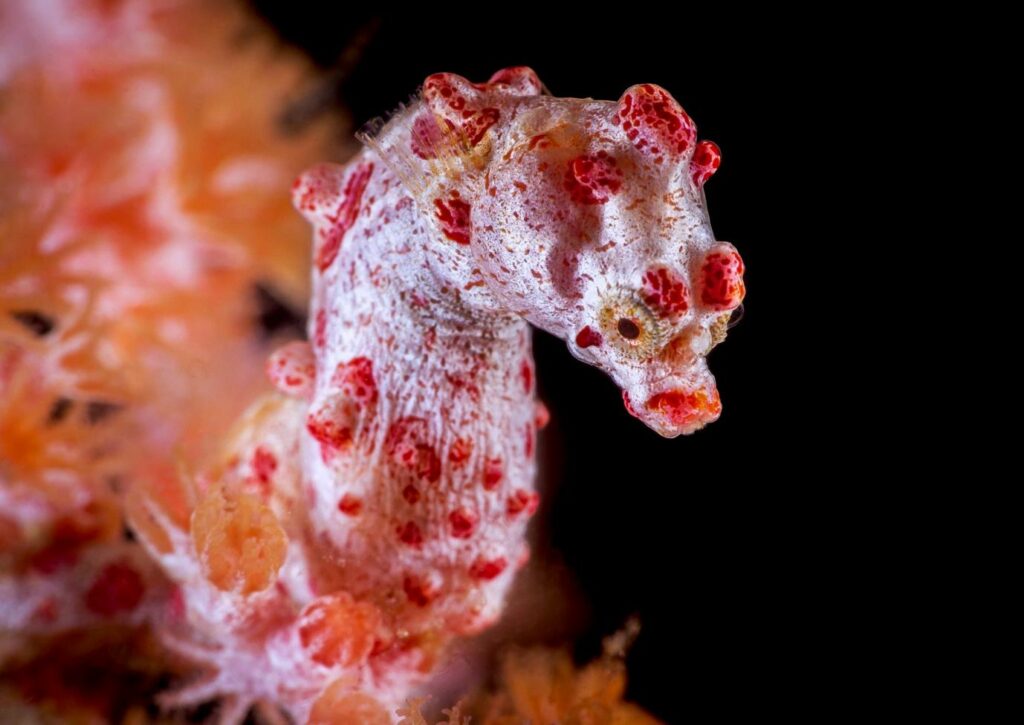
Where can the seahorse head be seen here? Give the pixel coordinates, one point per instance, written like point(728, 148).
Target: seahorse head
point(593, 225)
point(588, 218)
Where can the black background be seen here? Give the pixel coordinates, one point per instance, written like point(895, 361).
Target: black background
point(736, 547)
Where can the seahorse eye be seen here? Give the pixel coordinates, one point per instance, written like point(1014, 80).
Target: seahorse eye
point(628, 328)
point(630, 324)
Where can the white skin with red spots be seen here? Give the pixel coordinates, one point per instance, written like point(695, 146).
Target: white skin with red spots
point(400, 460)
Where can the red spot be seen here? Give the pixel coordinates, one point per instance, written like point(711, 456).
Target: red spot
point(681, 407)
point(410, 535)
point(329, 432)
point(419, 301)
point(320, 330)
point(593, 179)
point(483, 568)
point(454, 217)
point(528, 444)
point(493, 473)
point(722, 285)
point(589, 337)
point(526, 374)
point(264, 463)
point(117, 589)
point(356, 381)
point(344, 216)
point(654, 122)
point(706, 160)
point(476, 125)
point(460, 451)
point(350, 505)
point(411, 494)
point(521, 501)
point(541, 416)
point(462, 523)
point(408, 444)
point(419, 592)
point(665, 292)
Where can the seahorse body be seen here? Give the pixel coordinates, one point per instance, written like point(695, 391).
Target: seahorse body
point(375, 507)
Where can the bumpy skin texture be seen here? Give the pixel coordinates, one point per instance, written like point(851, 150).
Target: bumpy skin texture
point(401, 466)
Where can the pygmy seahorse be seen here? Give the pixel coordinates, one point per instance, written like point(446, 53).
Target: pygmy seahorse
point(378, 508)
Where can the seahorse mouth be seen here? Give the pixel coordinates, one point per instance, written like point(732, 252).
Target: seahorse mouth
point(676, 410)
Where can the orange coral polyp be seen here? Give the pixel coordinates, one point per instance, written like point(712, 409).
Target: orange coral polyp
point(238, 540)
point(339, 705)
point(337, 630)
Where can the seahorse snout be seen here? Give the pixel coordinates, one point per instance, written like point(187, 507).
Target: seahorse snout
point(676, 410)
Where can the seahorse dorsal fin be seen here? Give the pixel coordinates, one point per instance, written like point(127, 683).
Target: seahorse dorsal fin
point(421, 148)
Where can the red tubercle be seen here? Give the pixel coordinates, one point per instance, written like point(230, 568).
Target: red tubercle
point(447, 94)
point(292, 369)
point(453, 214)
point(655, 123)
point(541, 415)
point(664, 291)
point(462, 523)
point(494, 471)
point(589, 337)
point(520, 79)
point(592, 178)
point(486, 569)
point(350, 505)
point(345, 216)
point(420, 591)
point(118, 589)
point(682, 407)
point(355, 379)
point(410, 535)
point(522, 501)
point(707, 157)
point(523, 558)
point(328, 432)
point(722, 285)
point(411, 494)
point(264, 463)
